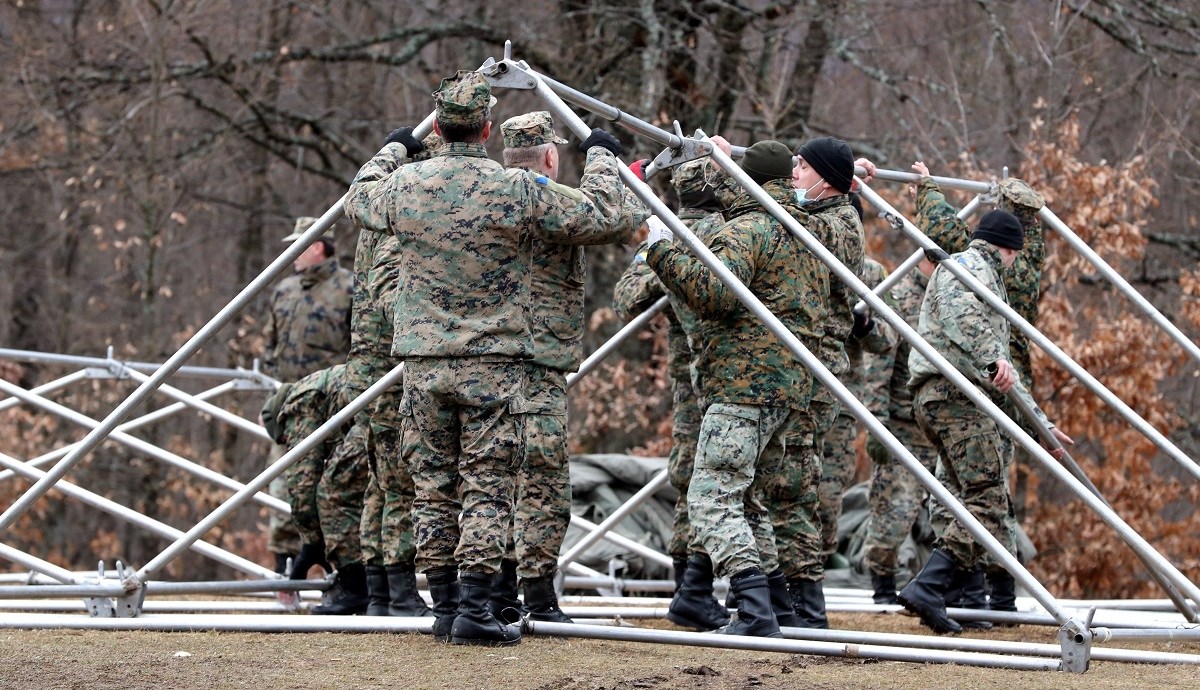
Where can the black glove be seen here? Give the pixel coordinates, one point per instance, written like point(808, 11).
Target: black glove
point(863, 323)
point(404, 135)
point(599, 137)
point(310, 555)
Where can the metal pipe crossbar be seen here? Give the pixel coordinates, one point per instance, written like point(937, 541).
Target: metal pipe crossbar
point(188, 371)
point(602, 529)
point(48, 387)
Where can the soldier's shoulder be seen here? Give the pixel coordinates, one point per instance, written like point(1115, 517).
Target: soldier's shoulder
point(544, 184)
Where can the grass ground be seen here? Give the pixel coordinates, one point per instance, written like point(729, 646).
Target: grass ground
point(130, 660)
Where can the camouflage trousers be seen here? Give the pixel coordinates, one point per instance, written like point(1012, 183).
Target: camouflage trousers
point(463, 438)
point(797, 511)
point(740, 450)
point(387, 526)
point(687, 417)
point(542, 510)
point(838, 463)
point(975, 455)
point(282, 536)
point(896, 495)
point(340, 495)
point(302, 478)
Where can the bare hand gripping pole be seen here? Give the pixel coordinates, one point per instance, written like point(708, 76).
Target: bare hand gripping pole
point(567, 116)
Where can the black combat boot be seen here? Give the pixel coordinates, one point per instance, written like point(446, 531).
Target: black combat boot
point(350, 597)
point(377, 591)
point(281, 563)
point(504, 603)
point(885, 588)
point(443, 589)
point(808, 601)
point(755, 616)
point(475, 624)
point(1003, 592)
point(679, 565)
point(542, 601)
point(781, 600)
point(405, 600)
point(693, 605)
point(971, 596)
point(924, 596)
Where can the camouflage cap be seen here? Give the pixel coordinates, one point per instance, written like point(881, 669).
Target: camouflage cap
point(463, 99)
point(691, 176)
point(303, 223)
point(1020, 194)
point(530, 129)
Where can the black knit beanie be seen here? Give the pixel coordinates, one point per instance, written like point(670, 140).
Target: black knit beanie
point(768, 160)
point(1002, 229)
point(832, 159)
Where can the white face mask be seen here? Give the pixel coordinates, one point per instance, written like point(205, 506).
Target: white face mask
point(802, 196)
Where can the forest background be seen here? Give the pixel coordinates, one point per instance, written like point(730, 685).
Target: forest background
point(154, 152)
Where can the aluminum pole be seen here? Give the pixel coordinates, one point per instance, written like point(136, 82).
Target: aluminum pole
point(1056, 224)
point(947, 182)
point(763, 644)
point(635, 501)
point(565, 114)
point(78, 361)
point(135, 518)
point(635, 324)
point(36, 564)
point(1135, 540)
point(48, 387)
point(126, 427)
point(622, 541)
point(139, 445)
point(1179, 634)
point(192, 401)
point(343, 416)
point(221, 623)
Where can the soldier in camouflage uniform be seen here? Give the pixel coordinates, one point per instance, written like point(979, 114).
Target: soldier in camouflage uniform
point(974, 338)
point(464, 328)
point(290, 415)
point(821, 184)
point(307, 329)
point(896, 496)
point(1022, 281)
point(753, 385)
point(543, 496)
point(696, 183)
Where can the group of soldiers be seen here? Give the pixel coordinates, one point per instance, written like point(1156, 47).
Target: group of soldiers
point(471, 274)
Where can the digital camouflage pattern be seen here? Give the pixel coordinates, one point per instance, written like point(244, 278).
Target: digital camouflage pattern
point(308, 322)
point(340, 493)
point(838, 456)
point(1022, 281)
point(836, 224)
point(466, 290)
point(463, 440)
point(741, 361)
point(542, 506)
point(530, 129)
point(463, 99)
point(739, 452)
point(896, 497)
point(310, 403)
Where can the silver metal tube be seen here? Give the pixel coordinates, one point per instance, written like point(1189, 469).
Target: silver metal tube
point(83, 589)
point(635, 501)
point(75, 360)
point(139, 445)
point(620, 540)
point(135, 518)
point(761, 644)
point(160, 587)
point(126, 427)
point(343, 416)
point(635, 324)
point(149, 606)
point(1135, 540)
point(104, 428)
point(608, 112)
point(201, 405)
point(36, 564)
point(219, 622)
point(1056, 224)
point(1107, 635)
point(947, 182)
point(48, 387)
point(915, 258)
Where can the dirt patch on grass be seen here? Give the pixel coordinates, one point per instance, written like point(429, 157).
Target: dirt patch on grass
point(87, 659)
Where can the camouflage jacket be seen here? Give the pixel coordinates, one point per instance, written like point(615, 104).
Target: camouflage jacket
point(962, 327)
point(881, 339)
point(309, 404)
point(466, 227)
point(887, 372)
point(557, 288)
point(308, 324)
point(836, 224)
point(1022, 280)
point(739, 360)
point(639, 288)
